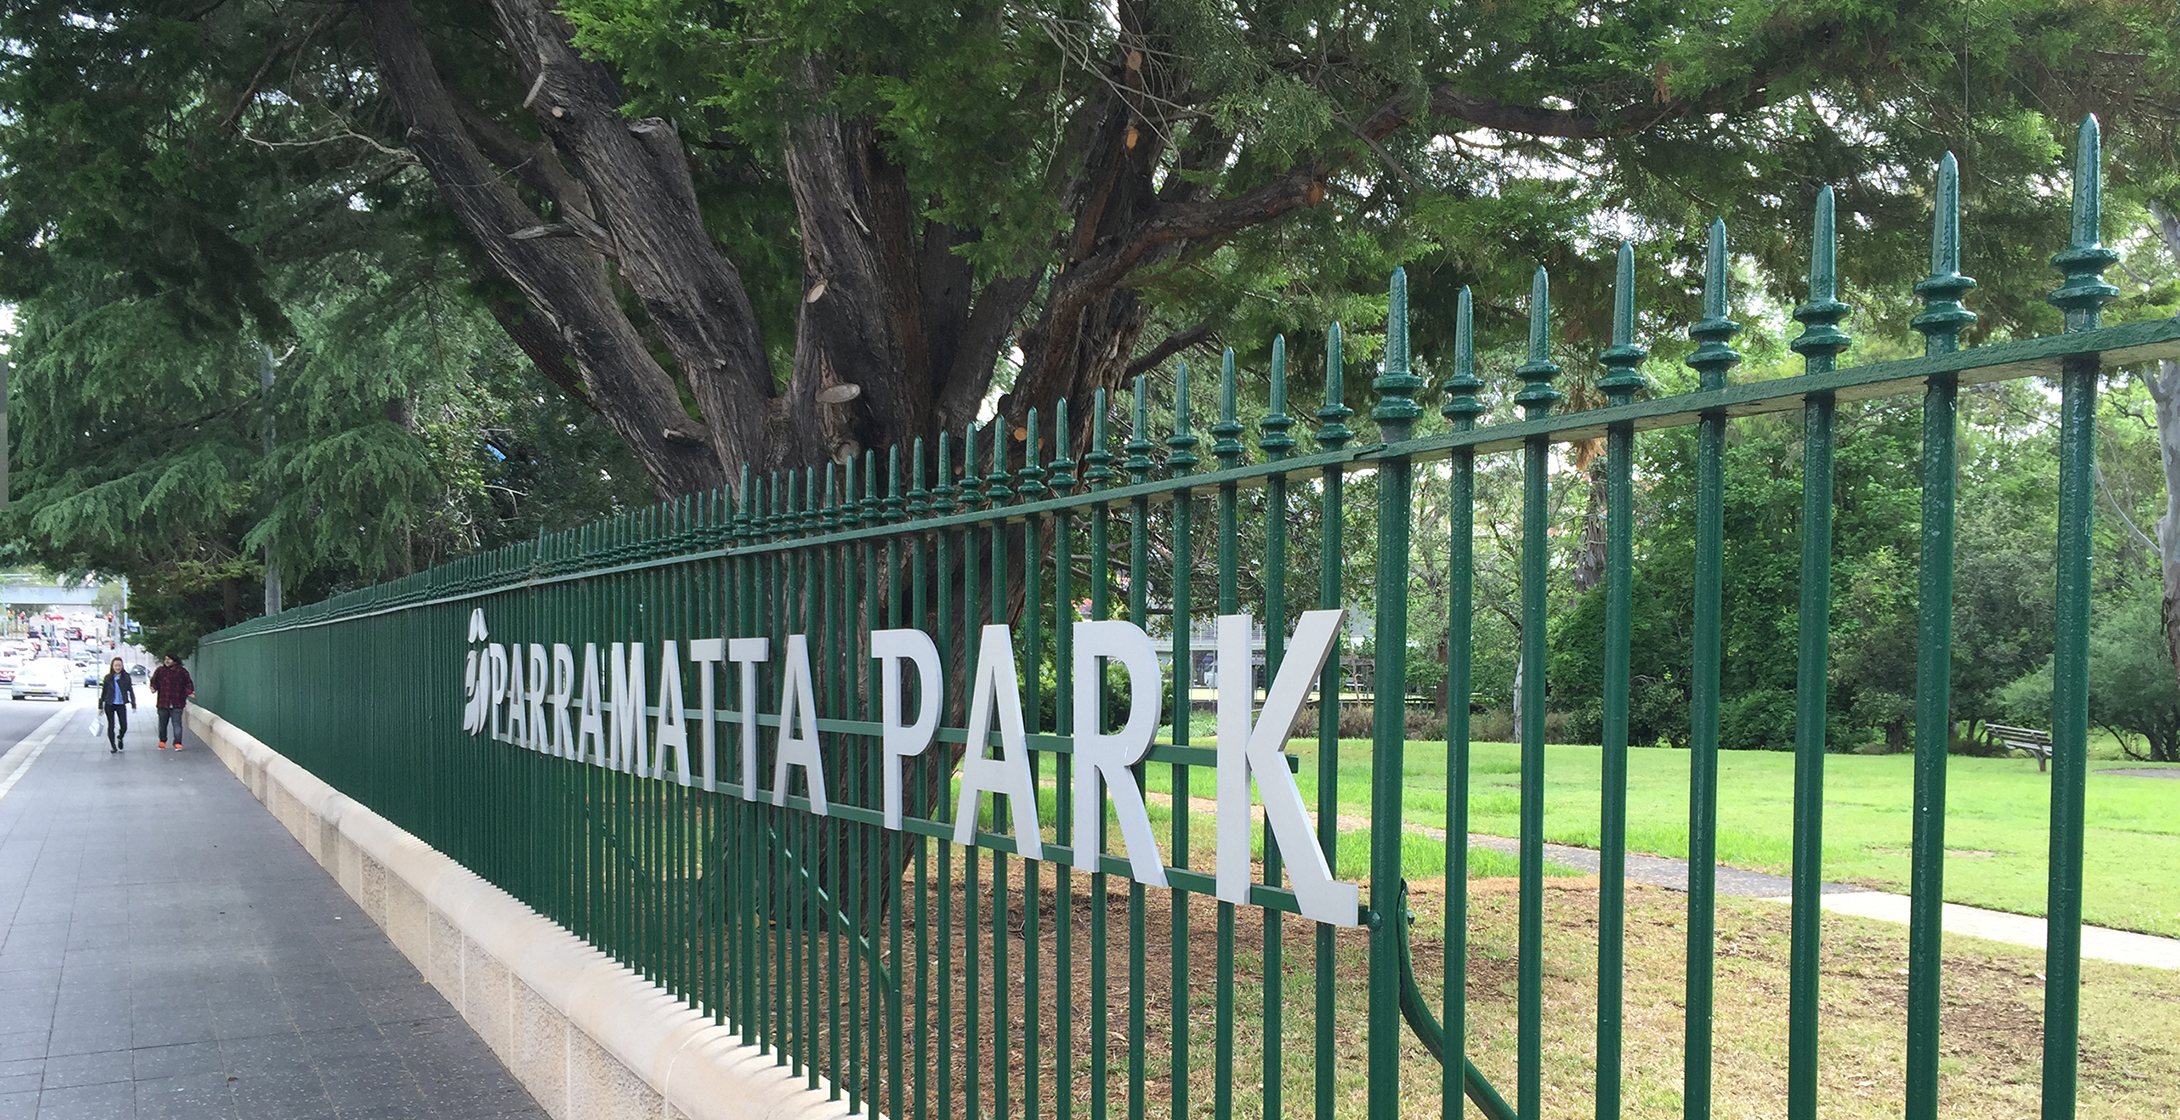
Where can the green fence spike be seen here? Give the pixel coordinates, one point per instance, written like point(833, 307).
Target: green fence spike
point(972, 487)
point(1062, 467)
point(1537, 396)
point(1181, 459)
point(874, 507)
point(996, 488)
point(943, 489)
point(1332, 434)
point(829, 513)
point(1139, 443)
point(744, 499)
point(1226, 441)
point(1712, 357)
point(1621, 380)
point(1029, 482)
point(2084, 259)
point(1943, 317)
point(919, 499)
point(1273, 438)
point(1396, 384)
point(1099, 458)
point(1461, 405)
point(1821, 341)
point(896, 507)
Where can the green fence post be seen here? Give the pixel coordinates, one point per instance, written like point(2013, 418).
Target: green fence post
point(1395, 415)
point(1536, 399)
point(1819, 344)
point(2082, 297)
point(1711, 359)
point(1461, 407)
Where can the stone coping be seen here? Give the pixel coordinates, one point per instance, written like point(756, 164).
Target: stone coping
point(588, 1037)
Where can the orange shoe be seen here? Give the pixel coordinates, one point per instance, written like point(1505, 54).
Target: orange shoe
point(162, 744)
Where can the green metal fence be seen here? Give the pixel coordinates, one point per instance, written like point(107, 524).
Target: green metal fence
point(613, 724)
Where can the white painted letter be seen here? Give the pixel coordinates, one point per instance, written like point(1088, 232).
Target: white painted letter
point(746, 653)
point(1009, 774)
point(592, 734)
point(533, 698)
point(798, 738)
point(890, 648)
point(630, 697)
point(1257, 747)
point(1102, 756)
point(673, 726)
point(563, 742)
point(705, 653)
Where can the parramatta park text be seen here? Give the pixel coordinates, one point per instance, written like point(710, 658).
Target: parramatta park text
point(533, 696)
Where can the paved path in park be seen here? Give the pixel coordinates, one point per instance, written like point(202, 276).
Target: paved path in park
point(2098, 943)
point(168, 950)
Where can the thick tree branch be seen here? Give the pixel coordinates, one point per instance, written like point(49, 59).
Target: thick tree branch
point(1172, 344)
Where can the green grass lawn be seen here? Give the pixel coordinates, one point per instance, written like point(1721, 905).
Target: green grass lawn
point(1996, 813)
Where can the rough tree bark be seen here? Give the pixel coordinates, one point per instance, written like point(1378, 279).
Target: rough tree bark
point(2164, 386)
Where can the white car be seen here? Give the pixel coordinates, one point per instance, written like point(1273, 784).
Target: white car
point(48, 677)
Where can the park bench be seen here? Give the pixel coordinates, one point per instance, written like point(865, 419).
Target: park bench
point(2026, 739)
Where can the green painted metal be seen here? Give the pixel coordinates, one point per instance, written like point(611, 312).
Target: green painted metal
point(1711, 359)
point(1819, 344)
point(1940, 322)
point(909, 975)
point(2082, 297)
point(1535, 398)
point(1621, 382)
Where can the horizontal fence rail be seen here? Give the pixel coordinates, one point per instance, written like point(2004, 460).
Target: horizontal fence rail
point(881, 764)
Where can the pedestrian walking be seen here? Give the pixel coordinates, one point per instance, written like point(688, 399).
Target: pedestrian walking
point(171, 689)
point(116, 695)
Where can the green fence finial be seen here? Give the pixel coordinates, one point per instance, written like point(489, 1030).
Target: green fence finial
point(811, 516)
point(1274, 440)
point(1226, 442)
point(1100, 456)
point(1712, 357)
point(1331, 433)
point(1821, 341)
point(972, 495)
point(1396, 383)
point(1621, 381)
point(829, 514)
point(2083, 295)
point(996, 490)
point(1537, 395)
point(1030, 480)
point(1139, 444)
point(1943, 316)
point(1462, 406)
point(744, 503)
point(919, 499)
point(873, 506)
point(1182, 459)
point(896, 505)
point(1062, 467)
point(943, 491)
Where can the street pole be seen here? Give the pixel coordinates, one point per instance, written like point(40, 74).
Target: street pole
point(5, 372)
point(272, 569)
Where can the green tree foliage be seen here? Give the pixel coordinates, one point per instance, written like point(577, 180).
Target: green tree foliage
point(2132, 693)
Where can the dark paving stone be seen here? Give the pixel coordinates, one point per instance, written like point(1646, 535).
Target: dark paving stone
point(167, 950)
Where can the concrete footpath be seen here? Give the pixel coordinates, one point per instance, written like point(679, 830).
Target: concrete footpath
point(167, 950)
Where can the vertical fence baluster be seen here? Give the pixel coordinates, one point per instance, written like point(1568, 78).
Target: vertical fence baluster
point(1139, 465)
point(1099, 473)
point(1395, 415)
point(1226, 446)
point(1276, 444)
point(1332, 435)
point(1063, 723)
point(1460, 408)
point(1819, 345)
point(1536, 399)
point(1620, 384)
point(1711, 359)
point(2082, 297)
point(1181, 461)
point(1940, 322)
point(1030, 486)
